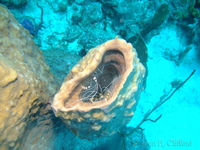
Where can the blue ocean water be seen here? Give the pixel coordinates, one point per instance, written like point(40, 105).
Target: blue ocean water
point(169, 30)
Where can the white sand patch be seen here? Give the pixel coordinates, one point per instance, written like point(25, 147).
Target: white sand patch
point(179, 126)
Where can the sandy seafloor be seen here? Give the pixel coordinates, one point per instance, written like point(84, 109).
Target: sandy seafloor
point(180, 121)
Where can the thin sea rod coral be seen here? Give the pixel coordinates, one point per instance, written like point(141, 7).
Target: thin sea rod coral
point(163, 99)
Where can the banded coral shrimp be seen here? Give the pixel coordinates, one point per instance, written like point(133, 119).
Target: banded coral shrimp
point(99, 85)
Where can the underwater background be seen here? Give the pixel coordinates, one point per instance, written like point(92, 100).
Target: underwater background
point(168, 34)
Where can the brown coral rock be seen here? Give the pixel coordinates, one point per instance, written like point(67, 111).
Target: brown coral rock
point(100, 93)
point(25, 80)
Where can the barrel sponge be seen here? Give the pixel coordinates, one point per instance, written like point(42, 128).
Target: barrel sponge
point(25, 80)
point(101, 92)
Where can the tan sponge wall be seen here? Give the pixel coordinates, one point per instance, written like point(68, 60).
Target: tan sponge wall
point(115, 109)
point(25, 80)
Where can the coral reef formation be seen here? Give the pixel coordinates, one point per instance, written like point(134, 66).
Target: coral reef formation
point(17, 3)
point(91, 14)
point(87, 39)
point(29, 23)
point(41, 137)
point(159, 17)
point(26, 83)
point(186, 13)
point(58, 5)
point(60, 65)
point(100, 93)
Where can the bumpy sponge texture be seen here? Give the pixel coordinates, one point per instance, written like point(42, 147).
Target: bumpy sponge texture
point(25, 80)
point(100, 93)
